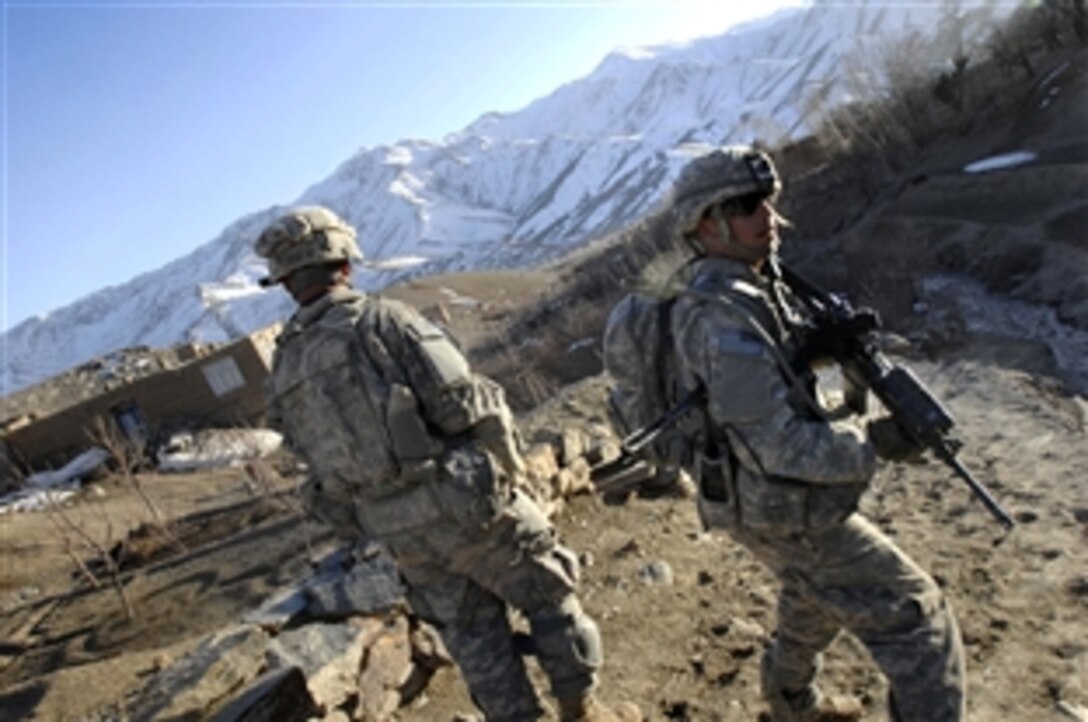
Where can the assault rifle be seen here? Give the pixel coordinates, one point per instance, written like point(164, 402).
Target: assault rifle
point(628, 469)
point(846, 334)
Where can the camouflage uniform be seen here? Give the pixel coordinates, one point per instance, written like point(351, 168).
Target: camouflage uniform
point(405, 445)
point(785, 483)
point(784, 480)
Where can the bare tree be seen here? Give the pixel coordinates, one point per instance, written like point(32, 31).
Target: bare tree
point(67, 529)
point(128, 455)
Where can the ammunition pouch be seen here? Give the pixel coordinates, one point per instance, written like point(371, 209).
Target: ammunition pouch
point(412, 441)
point(731, 496)
point(717, 501)
point(777, 505)
point(465, 488)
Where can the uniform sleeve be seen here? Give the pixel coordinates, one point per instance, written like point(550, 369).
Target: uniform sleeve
point(749, 398)
point(454, 399)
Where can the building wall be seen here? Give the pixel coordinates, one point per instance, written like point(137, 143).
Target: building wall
point(223, 388)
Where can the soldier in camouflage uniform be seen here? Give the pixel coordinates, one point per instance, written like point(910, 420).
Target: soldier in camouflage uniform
point(404, 444)
point(782, 477)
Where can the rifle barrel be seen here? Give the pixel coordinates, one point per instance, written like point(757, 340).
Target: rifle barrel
point(977, 487)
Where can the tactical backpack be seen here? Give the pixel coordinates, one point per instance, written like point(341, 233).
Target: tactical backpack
point(660, 422)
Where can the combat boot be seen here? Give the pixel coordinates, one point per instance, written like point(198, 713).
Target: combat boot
point(588, 709)
point(813, 706)
point(808, 704)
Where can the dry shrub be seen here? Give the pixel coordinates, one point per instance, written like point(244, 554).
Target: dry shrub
point(558, 342)
point(128, 454)
point(902, 105)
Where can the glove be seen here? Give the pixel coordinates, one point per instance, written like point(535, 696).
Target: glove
point(891, 442)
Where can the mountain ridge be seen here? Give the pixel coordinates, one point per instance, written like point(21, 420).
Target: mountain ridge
point(511, 190)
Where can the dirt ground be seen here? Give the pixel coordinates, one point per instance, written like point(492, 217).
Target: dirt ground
point(67, 649)
point(685, 648)
point(689, 650)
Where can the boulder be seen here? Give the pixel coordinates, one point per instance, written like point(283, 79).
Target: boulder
point(277, 696)
point(329, 655)
point(372, 585)
point(200, 681)
point(387, 671)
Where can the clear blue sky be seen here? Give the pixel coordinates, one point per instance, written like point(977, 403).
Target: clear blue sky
point(134, 132)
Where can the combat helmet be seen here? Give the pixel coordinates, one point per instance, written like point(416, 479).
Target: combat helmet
point(305, 236)
point(720, 174)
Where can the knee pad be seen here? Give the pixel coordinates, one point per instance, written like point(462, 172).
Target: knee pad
point(568, 647)
point(586, 638)
point(566, 632)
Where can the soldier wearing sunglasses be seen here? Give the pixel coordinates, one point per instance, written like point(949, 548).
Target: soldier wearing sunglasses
point(781, 477)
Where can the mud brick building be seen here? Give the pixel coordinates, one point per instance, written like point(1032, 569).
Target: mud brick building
point(200, 387)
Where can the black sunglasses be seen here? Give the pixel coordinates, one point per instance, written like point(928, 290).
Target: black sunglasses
point(744, 205)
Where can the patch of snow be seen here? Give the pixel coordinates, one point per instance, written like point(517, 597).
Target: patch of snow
point(396, 263)
point(76, 469)
point(213, 448)
point(456, 299)
point(1000, 162)
point(581, 344)
point(24, 501)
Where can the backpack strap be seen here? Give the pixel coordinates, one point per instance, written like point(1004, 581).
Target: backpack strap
point(664, 349)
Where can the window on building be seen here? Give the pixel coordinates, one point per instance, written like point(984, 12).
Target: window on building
point(223, 376)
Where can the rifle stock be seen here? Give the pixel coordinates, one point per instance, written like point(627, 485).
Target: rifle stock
point(629, 468)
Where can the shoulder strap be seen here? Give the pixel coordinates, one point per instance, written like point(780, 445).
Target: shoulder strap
point(740, 307)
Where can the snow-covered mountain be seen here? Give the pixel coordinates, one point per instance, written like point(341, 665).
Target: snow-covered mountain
point(515, 189)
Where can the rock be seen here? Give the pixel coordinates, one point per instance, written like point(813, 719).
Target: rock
point(573, 479)
point(94, 491)
point(277, 696)
point(656, 573)
point(280, 610)
point(541, 464)
point(428, 650)
point(1078, 586)
point(629, 548)
point(429, 654)
point(329, 655)
point(161, 661)
point(388, 668)
point(371, 586)
point(339, 558)
point(603, 450)
point(205, 677)
point(573, 445)
point(746, 629)
point(664, 482)
point(337, 715)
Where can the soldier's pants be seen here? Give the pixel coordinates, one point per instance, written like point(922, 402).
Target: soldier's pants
point(851, 576)
point(462, 577)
